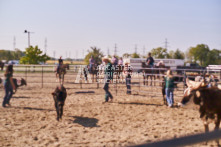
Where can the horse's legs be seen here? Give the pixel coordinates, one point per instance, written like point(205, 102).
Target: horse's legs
point(217, 123)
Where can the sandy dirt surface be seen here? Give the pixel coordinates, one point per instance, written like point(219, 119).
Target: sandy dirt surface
point(128, 120)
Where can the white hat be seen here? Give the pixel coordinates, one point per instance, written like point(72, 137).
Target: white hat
point(105, 58)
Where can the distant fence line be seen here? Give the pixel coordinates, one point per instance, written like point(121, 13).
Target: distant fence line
point(76, 69)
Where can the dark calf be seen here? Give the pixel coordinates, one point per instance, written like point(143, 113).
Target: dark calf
point(209, 100)
point(23, 82)
point(59, 96)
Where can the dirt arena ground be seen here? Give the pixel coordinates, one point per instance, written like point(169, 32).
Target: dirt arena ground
point(128, 120)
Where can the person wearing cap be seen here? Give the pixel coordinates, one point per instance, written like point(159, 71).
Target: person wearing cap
point(169, 87)
point(108, 76)
point(60, 62)
point(128, 72)
point(150, 60)
point(8, 86)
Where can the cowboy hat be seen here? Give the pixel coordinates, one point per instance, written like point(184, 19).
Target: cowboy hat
point(105, 58)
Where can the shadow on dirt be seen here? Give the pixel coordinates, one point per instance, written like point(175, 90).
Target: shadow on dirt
point(85, 121)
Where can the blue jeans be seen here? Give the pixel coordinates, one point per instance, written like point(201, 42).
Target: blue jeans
point(107, 92)
point(90, 67)
point(8, 94)
point(128, 82)
point(169, 96)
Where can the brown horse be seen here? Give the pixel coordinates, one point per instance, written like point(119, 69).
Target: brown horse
point(118, 71)
point(61, 72)
point(147, 72)
point(94, 72)
point(2, 64)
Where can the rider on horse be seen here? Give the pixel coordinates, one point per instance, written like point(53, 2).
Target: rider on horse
point(60, 63)
point(150, 60)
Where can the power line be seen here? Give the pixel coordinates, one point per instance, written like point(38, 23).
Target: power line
point(108, 51)
point(14, 42)
point(115, 49)
point(45, 46)
point(166, 43)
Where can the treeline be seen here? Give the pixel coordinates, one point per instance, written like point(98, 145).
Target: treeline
point(11, 55)
point(200, 54)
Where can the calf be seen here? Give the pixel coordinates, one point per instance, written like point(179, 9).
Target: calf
point(23, 82)
point(209, 100)
point(59, 96)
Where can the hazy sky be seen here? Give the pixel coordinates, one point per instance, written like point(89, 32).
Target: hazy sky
point(73, 26)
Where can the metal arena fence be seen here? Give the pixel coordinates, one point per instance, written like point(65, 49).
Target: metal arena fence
point(45, 74)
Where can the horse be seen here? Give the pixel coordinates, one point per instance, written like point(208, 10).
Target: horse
point(94, 71)
point(2, 64)
point(118, 71)
point(147, 72)
point(61, 72)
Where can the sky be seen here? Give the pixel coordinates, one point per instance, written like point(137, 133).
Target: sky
point(71, 27)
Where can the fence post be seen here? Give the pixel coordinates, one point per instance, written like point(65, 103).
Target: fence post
point(220, 75)
point(97, 79)
point(42, 77)
point(81, 78)
point(184, 82)
point(26, 73)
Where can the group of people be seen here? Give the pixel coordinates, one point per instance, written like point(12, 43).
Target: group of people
point(108, 76)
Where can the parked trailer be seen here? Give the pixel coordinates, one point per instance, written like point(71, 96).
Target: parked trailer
point(136, 62)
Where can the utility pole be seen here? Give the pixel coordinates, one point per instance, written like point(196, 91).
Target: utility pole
point(28, 36)
point(166, 43)
point(115, 49)
point(14, 43)
point(143, 50)
point(135, 48)
point(45, 46)
point(54, 52)
point(108, 52)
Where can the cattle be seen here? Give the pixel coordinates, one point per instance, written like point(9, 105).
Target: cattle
point(16, 82)
point(209, 100)
point(59, 96)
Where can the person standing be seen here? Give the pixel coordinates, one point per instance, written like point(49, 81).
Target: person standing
point(150, 60)
point(91, 63)
point(128, 72)
point(9, 86)
point(108, 76)
point(114, 61)
point(169, 87)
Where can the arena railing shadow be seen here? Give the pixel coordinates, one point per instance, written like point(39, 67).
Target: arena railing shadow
point(85, 121)
point(21, 97)
point(30, 108)
point(136, 103)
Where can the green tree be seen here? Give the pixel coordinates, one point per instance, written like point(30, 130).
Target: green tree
point(170, 55)
point(213, 57)
point(33, 56)
point(159, 52)
point(96, 53)
point(178, 54)
point(135, 55)
point(126, 55)
point(199, 53)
